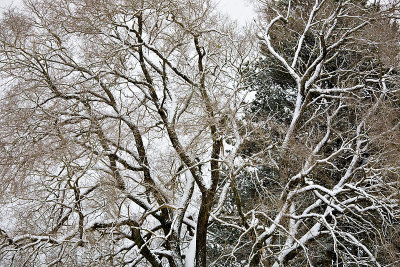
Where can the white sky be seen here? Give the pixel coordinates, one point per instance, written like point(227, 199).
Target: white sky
point(7, 3)
point(240, 10)
point(237, 9)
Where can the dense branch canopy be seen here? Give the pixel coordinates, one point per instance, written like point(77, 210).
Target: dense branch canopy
point(128, 137)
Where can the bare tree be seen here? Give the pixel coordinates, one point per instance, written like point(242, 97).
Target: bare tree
point(112, 129)
point(336, 193)
point(125, 138)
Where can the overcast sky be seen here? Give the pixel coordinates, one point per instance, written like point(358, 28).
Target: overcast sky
point(240, 10)
point(237, 9)
point(6, 3)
